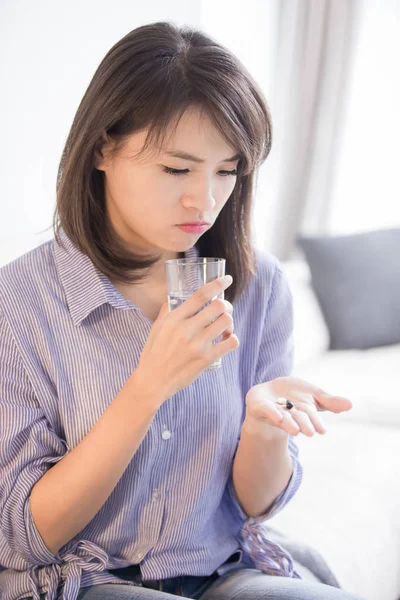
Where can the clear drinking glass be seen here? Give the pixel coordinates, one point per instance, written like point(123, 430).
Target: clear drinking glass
point(186, 275)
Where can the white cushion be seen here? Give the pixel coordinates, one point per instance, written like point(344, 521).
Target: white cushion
point(347, 506)
point(369, 378)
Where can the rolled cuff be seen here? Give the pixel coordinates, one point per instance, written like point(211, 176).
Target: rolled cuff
point(36, 551)
point(283, 498)
point(264, 554)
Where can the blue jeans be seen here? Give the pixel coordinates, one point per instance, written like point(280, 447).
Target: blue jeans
point(238, 583)
point(241, 583)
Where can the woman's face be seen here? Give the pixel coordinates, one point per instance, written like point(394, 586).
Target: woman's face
point(145, 203)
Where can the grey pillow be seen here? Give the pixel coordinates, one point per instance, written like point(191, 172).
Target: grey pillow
point(356, 279)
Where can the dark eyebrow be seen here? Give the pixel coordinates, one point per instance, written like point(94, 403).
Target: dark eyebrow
point(196, 159)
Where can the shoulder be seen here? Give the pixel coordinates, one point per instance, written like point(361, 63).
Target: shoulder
point(265, 285)
point(28, 276)
point(267, 263)
point(269, 274)
point(269, 289)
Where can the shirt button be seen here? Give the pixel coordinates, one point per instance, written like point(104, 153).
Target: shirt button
point(155, 495)
point(140, 555)
point(166, 434)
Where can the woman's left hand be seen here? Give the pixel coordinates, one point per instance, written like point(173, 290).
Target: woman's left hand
point(266, 403)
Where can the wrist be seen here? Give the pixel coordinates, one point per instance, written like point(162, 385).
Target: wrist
point(146, 390)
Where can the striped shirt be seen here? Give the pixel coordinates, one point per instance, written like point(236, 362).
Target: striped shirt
point(69, 341)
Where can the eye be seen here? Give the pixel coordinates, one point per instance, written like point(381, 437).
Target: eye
point(176, 171)
point(185, 171)
point(225, 173)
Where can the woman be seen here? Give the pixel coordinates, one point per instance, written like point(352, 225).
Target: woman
point(129, 470)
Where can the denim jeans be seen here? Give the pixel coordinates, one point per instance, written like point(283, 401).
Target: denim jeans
point(240, 583)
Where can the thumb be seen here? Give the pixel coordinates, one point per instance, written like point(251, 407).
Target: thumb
point(164, 310)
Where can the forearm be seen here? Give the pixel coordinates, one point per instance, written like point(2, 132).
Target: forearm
point(262, 466)
point(70, 494)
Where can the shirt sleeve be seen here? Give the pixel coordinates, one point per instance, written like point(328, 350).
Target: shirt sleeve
point(275, 359)
point(28, 448)
point(275, 355)
point(283, 498)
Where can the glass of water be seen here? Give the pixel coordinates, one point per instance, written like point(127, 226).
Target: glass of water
point(186, 275)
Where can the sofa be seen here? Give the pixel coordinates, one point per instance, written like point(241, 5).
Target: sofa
point(347, 505)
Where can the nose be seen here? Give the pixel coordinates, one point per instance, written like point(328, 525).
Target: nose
point(201, 198)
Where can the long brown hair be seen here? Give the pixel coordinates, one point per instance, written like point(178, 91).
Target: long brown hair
point(147, 81)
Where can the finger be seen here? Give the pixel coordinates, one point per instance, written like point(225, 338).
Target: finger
point(284, 422)
point(164, 311)
point(322, 399)
point(268, 411)
point(307, 403)
point(226, 335)
point(228, 332)
point(228, 307)
point(314, 416)
point(288, 424)
point(200, 298)
point(303, 421)
point(218, 327)
point(296, 396)
point(211, 313)
point(264, 408)
point(336, 404)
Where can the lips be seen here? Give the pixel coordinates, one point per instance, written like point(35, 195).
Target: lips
point(193, 228)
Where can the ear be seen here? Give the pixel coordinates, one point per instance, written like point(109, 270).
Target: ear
point(100, 152)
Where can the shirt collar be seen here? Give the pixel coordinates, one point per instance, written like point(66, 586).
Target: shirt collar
point(85, 287)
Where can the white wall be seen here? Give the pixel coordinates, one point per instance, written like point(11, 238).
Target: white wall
point(366, 189)
point(50, 50)
point(250, 29)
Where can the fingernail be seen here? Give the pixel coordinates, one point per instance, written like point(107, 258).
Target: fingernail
point(228, 278)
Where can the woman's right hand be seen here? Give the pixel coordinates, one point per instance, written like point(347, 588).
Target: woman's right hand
point(180, 343)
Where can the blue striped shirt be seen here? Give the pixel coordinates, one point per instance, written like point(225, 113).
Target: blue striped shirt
point(69, 341)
